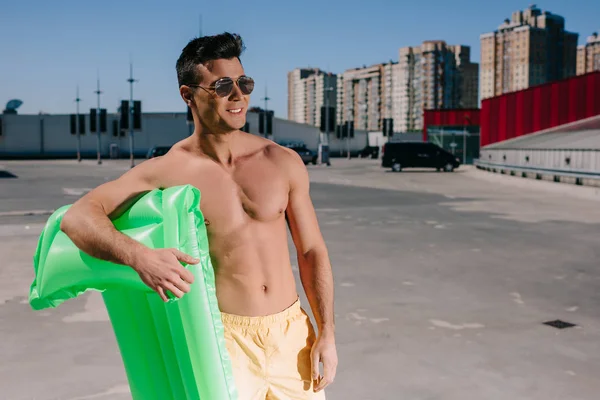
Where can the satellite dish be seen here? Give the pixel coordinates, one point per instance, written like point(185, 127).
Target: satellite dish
point(13, 104)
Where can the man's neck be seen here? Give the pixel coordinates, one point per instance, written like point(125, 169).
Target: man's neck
point(216, 146)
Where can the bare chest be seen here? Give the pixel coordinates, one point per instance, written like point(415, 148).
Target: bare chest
point(229, 200)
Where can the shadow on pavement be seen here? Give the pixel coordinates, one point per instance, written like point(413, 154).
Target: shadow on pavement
point(6, 174)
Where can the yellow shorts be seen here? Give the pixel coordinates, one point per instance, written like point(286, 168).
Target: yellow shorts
point(270, 355)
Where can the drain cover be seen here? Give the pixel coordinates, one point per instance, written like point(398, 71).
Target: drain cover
point(558, 324)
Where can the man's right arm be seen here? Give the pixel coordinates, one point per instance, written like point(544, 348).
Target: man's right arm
point(88, 223)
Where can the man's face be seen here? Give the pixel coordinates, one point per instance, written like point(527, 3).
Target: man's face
point(221, 114)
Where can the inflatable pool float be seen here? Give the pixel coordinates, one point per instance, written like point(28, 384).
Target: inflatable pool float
point(171, 350)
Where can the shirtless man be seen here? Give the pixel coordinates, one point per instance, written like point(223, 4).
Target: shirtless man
point(252, 190)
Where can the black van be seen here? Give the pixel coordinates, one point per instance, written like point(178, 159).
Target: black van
point(399, 155)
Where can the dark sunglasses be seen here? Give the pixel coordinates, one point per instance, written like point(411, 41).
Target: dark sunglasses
point(224, 86)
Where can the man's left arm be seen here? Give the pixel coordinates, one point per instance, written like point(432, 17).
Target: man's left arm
point(315, 271)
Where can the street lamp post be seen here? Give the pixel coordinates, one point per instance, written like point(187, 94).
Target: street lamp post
point(78, 128)
point(98, 92)
point(326, 114)
point(464, 144)
point(350, 123)
point(326, 91)
point(466, 120)
point(131, 115)
point(266, 117)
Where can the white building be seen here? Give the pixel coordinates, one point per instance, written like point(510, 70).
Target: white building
point(49, 136)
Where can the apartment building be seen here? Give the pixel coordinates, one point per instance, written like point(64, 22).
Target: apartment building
point(588, 55)
point(297, 94)
point(391, 94)
point(529, 49)
point(466, 78)
point(353, 96)
point(309, 89)
point(432, 76)
point(364, 95)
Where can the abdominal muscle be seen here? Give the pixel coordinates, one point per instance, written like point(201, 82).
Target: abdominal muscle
point(252, 269)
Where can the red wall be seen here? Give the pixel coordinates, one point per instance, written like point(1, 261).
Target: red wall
point(450, 117)
point(540, 107)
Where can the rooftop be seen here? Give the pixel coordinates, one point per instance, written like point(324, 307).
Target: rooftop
point(584, 134)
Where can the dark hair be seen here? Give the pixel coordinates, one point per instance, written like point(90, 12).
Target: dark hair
point(204, 49)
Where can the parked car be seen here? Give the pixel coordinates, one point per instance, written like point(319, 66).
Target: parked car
point(307, 155)
point(158, 151)
point(400, 155)
point(370, 152)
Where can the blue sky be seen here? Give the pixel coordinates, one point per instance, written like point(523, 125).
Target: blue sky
point(50, 47)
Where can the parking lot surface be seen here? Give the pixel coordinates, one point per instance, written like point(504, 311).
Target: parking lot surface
point(443, 283)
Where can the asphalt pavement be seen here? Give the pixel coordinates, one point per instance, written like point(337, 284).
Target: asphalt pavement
point(443, 285)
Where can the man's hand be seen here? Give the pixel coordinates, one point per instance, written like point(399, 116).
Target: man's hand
point(161, 270)
point(323, 351)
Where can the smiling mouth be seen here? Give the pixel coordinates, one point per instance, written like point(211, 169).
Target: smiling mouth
point(235, 110)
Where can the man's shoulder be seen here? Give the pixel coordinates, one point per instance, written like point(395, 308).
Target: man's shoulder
point(275, 152)
point(158, 168)
point(283, 156)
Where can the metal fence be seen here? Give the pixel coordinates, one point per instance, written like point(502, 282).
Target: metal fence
point(578, 166)
point(576, 161)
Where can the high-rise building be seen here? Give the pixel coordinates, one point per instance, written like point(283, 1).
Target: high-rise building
point(389, 95)
point(588, 55)
point(297, 94)
point(432, 76)
point(466, 77)
point(365, 96)
point(309, 89)
point(529, 49)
